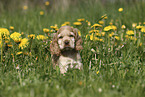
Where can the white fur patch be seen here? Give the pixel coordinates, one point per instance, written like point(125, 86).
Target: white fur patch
point(60, 43)
point(72, 42)
point(58, 35)
point(68, 62)
point(72, 33)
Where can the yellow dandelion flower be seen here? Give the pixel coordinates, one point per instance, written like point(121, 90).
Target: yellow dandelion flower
point(89, 23)
point(139, 27)
point(133, 38)
point(79, 32)
point(51, 27)
point(111, 23)
point(103, 33)
point(54, 27)
point(80, 83)
point(101, 22)
point(92, 31)
point(87, 36)
point(52, 31)
point(143, 29)
point(110, 35)
point(144, 23)
point(16, 36)
point(130, 32)
point(63, 24)
point(12, 55)
point(92, 36)
point(67, 23)
point(6, 41)
point(18, 53)
point(41, 13)
point(123, 26)
point(117, 38)
point(41, 37)
point(47, 3)
point(140, 44)
point(45, 30)
point(134, 25)
point(96, 38)
point(97, 72)
point(26, 53)
point(104, 16)
point(107, 28)
point(11, 28)
point(22, 33)
point(77, 23)
point(4, 33)
point(96, 25)
point(31, 36)
point(25, 7)
point(120, 9)
point(101, 40)
point(98, 34)
point(127, 36)
point(96, 31)
point(9, 45)
point(80, 20)
point(24, 43)
point(112, 27)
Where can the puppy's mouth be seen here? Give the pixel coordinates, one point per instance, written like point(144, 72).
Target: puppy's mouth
point(67, 46)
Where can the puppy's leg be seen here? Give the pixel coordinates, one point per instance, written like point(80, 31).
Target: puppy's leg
point(63, 69)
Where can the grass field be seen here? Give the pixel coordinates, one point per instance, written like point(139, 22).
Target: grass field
point(113, 54)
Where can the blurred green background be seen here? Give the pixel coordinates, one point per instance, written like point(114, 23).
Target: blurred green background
point(89, 9)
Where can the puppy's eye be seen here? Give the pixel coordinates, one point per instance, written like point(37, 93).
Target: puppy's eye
point(71, 36)
point(60, 37)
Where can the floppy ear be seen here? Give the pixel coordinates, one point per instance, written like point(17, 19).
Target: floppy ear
point(78, 40)
point(54, 47)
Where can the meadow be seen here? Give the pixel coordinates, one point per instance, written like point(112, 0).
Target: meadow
point(113, 55)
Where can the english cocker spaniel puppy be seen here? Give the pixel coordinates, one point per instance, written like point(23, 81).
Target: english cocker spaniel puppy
point(65, 48)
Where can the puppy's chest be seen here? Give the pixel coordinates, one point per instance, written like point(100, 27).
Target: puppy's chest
point(63, 60)
point(70, 61)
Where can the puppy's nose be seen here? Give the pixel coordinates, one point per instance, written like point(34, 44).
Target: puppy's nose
point(66, 42)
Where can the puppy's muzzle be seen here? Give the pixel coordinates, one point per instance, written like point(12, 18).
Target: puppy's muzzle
point(66, 42)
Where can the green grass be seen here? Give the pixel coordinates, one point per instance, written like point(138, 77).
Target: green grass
point(110, 71)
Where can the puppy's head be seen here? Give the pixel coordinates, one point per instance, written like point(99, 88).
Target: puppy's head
point(66, 38)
